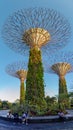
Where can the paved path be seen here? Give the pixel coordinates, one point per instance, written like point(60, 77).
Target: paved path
point(4, 125)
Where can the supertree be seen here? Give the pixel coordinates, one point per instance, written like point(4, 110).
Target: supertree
point(34, 29)
point(61, 64)
point(18, 70)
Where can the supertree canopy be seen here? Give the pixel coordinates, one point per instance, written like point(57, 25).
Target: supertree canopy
point(18, 70)
point(34, 29)
point(61, 64)
point(40, 27)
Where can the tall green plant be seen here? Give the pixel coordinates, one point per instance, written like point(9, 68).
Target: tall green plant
point(63, 99)
point(34, 82)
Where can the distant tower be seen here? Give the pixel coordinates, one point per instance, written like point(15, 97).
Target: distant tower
point(61, 65)
point(35, 30)
point(17, 70)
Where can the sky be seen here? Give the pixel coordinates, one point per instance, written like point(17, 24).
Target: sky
point(10, 86)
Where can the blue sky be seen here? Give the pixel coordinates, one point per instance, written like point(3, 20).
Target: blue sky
point(10, 86)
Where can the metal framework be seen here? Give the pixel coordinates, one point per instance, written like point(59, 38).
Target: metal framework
point(42, 27)
point(18, 70)
point(58, 60)
point(61, 69)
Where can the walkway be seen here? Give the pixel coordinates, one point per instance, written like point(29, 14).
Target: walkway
point(4, 125)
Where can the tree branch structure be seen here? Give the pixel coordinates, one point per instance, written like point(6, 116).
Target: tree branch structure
point(42, 27)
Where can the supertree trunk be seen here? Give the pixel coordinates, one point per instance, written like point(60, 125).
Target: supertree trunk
point(34, 82)
point(22, 74)
point(63, 99)
point(22, 93)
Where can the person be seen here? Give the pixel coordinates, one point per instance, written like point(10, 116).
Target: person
point(25, 118)
point(9, 115)
point(16, 117)
point(61, 115)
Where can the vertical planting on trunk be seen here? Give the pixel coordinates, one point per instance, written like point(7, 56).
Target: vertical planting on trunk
point(22, 94)
point(34, 82)
point(63, 94)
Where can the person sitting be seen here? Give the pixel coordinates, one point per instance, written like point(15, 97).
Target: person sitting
point(9, 115)
point(61, 115)
point(24, 118)
point(16, 117)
